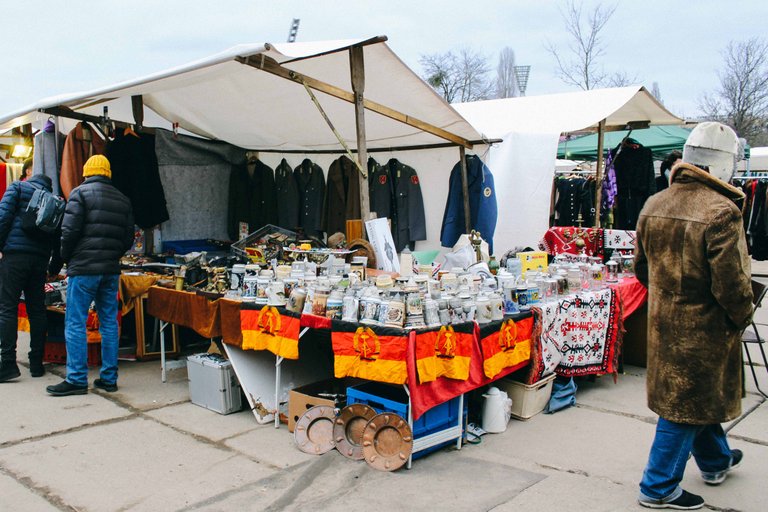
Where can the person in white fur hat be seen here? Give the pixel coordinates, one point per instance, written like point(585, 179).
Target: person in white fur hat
point(692, 255)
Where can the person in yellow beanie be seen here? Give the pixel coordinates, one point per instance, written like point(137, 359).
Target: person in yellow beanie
point(97, 165)
point(96, 231)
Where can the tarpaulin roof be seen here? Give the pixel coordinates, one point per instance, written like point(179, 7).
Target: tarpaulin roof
point(566, 112)
point(221, 98)
point(660, 139)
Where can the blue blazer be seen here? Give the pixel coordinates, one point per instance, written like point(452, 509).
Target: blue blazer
point(482, 203)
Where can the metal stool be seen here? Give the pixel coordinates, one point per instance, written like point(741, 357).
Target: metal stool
point(749, 338)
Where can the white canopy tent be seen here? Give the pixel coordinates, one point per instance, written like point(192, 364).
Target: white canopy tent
point(223, 98)
point(524, 164)
point(252, 96)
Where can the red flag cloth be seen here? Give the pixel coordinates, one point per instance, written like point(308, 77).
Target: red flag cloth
point(270, 328)
point(445, 352)
point(369, 352)
point(426, 395)
point(505, 343)
point(316, 322)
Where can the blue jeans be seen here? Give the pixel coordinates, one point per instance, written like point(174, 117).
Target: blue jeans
point(669, 455)
point(81, 291)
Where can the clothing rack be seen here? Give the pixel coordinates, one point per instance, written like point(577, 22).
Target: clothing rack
point(577, 172)
point(751, 176)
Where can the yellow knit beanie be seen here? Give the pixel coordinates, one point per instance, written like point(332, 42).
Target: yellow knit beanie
point(97, 165)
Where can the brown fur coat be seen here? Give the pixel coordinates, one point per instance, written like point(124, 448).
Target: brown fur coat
point(692, 255)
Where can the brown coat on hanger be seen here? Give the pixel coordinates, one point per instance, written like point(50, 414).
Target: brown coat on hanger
point(81, 144)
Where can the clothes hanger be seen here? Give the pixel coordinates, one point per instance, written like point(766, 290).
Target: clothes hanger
point(129, 131)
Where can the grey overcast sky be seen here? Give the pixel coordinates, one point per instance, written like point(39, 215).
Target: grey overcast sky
point(54, 47)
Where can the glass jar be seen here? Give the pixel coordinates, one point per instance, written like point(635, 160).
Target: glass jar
point(612, 271)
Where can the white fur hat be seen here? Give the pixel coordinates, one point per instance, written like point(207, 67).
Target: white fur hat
point(715, 146)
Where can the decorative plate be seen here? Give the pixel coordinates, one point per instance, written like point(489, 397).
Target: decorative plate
point(387, 442)
point(348, 429)
point(314, 431)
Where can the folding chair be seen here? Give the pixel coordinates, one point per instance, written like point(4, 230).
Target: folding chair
point(748, 338)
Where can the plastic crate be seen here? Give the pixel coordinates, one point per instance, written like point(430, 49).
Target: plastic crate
point(388, 398)
point(528, 400)
point(238, 248)
point(56, 352)
point(187, 246)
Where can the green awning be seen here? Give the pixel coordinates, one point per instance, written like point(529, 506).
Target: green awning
point(661, 139)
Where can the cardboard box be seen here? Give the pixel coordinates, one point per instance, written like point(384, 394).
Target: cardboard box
point(533, 260)
point(318, 393)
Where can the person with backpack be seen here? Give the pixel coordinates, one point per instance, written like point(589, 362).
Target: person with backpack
point(28, 253)
point(97, 230)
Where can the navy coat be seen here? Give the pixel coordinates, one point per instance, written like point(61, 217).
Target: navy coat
point(287, 196)
point(13, 238)
point(482, 203)
point(311, 184)
point(395, 193)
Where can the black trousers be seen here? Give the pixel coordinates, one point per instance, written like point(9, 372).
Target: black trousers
point(22, 273)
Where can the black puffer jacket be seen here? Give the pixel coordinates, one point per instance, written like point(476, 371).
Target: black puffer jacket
point(13, 238)
point(97, 229)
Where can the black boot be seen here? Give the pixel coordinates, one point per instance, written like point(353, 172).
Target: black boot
point(64, 388)
point(36, 368)
point(9, 370)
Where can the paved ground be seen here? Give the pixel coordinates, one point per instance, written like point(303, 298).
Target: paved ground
point(148, 448)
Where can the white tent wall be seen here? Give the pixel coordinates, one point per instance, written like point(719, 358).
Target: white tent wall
point(523, 169)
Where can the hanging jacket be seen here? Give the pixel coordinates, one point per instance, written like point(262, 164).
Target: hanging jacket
point(310, 182)
point(136, 174)
point(81, 144)
point(252, 199)
point(47, 158)
point(395, 193)
point(287, 195)
point(635, 181)
point(342, 199)
point(482, 203)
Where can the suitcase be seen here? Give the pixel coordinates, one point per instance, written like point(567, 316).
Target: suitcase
point(213, 384)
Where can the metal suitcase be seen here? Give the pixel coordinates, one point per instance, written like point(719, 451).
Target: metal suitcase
point(213, 384)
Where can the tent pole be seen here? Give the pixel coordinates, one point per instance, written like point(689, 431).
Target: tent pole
point(465, 189)
point(357, 71)
point(599, 176)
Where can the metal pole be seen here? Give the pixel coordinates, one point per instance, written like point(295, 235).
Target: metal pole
point(465, 190)
point(357, 71)
point(599, 176)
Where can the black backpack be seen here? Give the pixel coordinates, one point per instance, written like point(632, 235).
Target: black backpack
point(43, 214)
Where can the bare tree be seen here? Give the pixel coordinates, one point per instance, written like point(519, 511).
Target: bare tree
point(656, 92)
point(620, 79)
point(461, 76)
point(741, 100)
point(506, 78)
point(579, 64)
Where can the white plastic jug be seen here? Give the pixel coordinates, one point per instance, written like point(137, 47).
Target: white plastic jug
point(497, 410)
